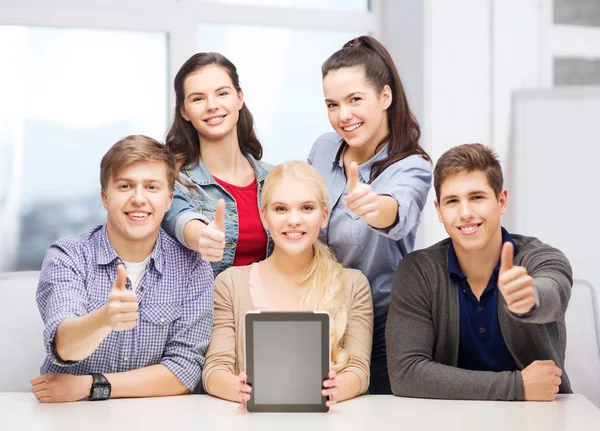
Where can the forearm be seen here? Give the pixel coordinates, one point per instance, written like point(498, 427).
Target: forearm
point(151, 381)
point(349, 384)
point(222, 384)
point(192, 231)
point(427, 379)
point(388, 212)
point(79, 337)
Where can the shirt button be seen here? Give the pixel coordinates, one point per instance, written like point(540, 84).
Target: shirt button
point(482, 330)
point(229, 245)
point(480, 308)
point(339, 204)
point(464, 291)
point(125, 358)
point(162, 320)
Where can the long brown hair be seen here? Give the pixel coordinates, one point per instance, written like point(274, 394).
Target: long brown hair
point(182, 138)
point(404, 130)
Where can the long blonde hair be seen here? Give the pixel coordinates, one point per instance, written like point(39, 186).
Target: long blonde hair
point(324, 280)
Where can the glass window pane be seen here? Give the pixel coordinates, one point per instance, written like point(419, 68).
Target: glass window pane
point(577, 12)
point(281, 80)
point(576, 71)
point(67, 95)
point(345, 5)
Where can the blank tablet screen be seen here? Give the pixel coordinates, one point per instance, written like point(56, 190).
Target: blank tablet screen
point(287, 362)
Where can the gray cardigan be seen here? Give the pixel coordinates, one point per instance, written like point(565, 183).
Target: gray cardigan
point(423, 326)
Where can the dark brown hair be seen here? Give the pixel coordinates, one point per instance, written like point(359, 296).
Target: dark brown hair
point(468, 158)
point(134, 149)
point(380, 70)
point(182, 138)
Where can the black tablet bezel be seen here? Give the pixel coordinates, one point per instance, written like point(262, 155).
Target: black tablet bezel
point(291, 316)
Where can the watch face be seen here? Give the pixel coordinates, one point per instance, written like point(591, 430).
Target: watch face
point(101, 392)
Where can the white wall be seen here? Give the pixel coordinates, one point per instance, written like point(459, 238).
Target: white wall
point(460, 61)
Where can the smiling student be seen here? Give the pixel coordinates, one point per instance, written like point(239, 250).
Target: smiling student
point(127, 310)
point(481, 314)
point(302, 274)
point(215, 209)
point(377, 175)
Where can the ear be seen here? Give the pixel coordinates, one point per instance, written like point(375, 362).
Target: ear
point(171, 195)
point(263, 219)
point(325, 218)
point(241, 99)
point(503, 199)
point(103, 197)
point(437, 208)
point(183, 114)
point(386, 96)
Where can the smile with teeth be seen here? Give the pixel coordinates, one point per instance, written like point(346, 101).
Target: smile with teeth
point(470, 228)
point(137, 215)
point(215, 120)
point(293, 234)
point(353, 127)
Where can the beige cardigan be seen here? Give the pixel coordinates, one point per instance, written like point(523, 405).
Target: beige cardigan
point(232, 301)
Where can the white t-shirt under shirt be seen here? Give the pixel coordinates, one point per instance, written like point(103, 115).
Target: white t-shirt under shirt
point(135, 271)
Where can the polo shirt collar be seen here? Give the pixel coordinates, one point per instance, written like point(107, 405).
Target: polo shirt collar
point(454, 269)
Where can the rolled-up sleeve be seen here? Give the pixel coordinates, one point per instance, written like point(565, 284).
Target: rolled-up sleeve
point(181, 212)
point(408, 182)
point(60, 295)
point(189, 336)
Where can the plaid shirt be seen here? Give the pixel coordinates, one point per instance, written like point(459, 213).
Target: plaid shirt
point(175, 297)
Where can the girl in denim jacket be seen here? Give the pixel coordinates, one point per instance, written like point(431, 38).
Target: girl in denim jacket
point(215, 209)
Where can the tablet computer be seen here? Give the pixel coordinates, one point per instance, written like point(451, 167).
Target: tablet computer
point(287, 360)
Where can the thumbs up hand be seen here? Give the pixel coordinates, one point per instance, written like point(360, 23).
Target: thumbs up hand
point(514, 283)
point(361, 199)
point(212, 238)
point(121, 307)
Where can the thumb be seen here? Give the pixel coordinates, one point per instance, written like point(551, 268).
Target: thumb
point(219, 220)
point(352, 176)
point(507, 256)
point(121, 277)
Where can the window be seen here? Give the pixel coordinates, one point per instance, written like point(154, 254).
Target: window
point(68, 94)
point(281, 80)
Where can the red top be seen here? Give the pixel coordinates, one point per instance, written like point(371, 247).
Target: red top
point(252, 238)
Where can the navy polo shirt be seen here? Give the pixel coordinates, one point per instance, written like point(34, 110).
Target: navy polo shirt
point(481, 344)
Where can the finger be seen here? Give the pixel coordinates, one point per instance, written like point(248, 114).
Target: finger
point(330, 383)
point(38, 380)
point(212, 237)
point(219, 220)
point(557, 381)
point(130, 317)
point(518, 293)
point(116, 306)
point(46, 400)
point(211, 258)
point(121, 277)
point(330, 403)
point(352, 175)
point(509, 275)
point(368, 200)
point(507, 256)
point(40, 392)
point(556, 389)
point(242, 405)
point(522, 307)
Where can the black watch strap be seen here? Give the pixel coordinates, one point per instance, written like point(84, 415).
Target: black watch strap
point(100, 387)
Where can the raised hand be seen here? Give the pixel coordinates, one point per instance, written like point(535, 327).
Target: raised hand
point(212, 238)
point(514, 283)
point(541, 381)
point(361, 199)
point(122, 307)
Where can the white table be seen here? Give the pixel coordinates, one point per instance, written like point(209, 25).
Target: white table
point(21, 411)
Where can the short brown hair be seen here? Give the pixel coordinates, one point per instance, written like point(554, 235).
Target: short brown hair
point(469, 158)
point(133, 149)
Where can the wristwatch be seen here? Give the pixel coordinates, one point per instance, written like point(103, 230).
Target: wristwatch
point(100, 387)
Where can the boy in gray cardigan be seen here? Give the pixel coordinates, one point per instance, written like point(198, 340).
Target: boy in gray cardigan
point(479, 315)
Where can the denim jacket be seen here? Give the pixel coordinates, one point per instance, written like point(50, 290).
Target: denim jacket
point(198, 201)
